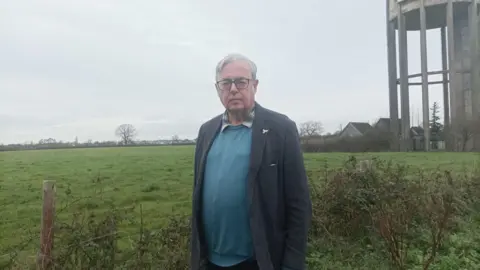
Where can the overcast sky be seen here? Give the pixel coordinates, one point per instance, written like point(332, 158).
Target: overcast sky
point(81, 68)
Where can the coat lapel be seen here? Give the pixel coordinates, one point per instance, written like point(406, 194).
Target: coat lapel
point(210, 134)
point(259, 137)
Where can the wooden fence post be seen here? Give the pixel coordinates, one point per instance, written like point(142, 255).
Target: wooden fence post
point(46, 234)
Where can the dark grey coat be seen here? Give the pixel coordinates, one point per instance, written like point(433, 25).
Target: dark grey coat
point(278, 195)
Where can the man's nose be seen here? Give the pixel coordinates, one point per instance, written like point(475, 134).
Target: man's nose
point(233, 89)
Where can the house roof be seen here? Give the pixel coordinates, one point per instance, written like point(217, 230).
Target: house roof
point(385, 121)
point(383, 124)
point(362, 127)
point(417, 130)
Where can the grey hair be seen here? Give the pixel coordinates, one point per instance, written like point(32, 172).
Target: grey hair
point(232, 58)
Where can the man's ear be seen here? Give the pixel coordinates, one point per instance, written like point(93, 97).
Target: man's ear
point(216, 89)
point(255, 85)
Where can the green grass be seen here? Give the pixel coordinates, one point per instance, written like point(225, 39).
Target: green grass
point(159, 178)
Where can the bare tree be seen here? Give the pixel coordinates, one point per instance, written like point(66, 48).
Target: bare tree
point(175, 139)
point(311, 128)
point(465, 131)
point(126, 132)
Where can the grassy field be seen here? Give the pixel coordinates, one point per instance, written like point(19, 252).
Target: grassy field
point(158, 178)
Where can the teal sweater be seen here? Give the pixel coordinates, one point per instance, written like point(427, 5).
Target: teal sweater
point(224, 199)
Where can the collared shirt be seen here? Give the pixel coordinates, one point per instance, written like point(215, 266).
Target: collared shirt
point(247, 122)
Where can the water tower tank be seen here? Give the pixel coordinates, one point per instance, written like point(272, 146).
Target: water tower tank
point(435, 12)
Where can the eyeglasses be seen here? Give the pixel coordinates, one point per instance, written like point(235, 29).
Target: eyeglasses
point(226, 84)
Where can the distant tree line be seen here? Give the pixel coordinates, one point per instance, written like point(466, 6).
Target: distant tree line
point(89, 144)
point(126, 133)
point(311, 133)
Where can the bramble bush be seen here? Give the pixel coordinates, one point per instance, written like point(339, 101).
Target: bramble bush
point(369, 214)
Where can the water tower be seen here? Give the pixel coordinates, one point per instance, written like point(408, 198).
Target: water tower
point(459, 36)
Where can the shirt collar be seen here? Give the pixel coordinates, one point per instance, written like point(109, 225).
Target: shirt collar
point(247, 122)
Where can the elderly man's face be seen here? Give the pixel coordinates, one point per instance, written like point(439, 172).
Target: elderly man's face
point(235, 86)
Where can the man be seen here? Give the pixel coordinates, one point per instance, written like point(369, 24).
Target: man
point(251, 203)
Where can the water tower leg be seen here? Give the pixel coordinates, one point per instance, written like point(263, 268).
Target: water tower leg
point(446, 104)
point(392, 82)
point(424, 68)
point(451, 76)
point(474, 84)
point(404, 94)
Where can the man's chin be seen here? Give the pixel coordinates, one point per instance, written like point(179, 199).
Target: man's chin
point(236, 107)
point(238, 112)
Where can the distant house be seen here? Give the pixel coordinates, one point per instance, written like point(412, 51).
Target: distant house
point(383, 125)
point(162, 142)
point(417, 134)
point(355, 129)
